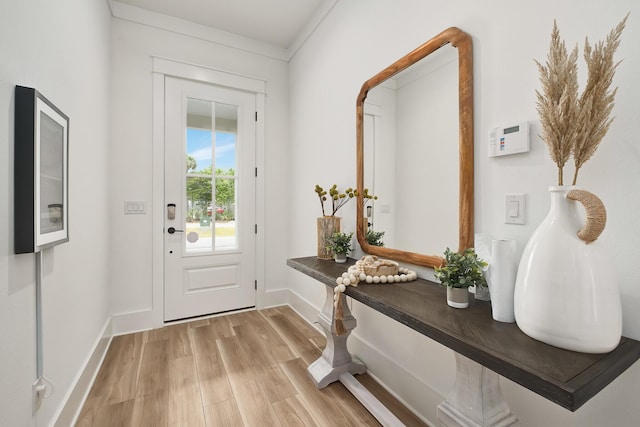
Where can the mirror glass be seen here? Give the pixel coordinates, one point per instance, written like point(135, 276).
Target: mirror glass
point(415, 152)
point(410, 137)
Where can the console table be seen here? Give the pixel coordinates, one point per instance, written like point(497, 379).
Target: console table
point(483, 347)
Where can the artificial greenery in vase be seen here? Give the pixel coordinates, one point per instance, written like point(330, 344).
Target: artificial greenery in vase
point(374, 238)
point(460, 271)
point(327, 225)
point(340, 245)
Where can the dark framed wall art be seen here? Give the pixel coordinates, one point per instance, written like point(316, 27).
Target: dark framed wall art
point(41, 214)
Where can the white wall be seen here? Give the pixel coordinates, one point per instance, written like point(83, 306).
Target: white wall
point(131, 152)
point(62, 49)
point(360, 38)
point(422, 165)
point(310, 138)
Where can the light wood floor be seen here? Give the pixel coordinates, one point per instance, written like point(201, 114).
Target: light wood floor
point(243, 369)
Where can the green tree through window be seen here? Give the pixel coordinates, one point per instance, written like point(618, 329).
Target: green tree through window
point(199, 192)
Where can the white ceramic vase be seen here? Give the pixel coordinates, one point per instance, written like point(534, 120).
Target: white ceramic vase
point(566, 292)
point(500, 274)
point(502, 279)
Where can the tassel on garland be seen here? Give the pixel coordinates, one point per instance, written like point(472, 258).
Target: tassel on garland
point(339, 324)
point(347, 279)
point(356, 273)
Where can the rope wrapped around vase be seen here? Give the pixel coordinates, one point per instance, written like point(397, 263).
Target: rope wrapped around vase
point(368, 269)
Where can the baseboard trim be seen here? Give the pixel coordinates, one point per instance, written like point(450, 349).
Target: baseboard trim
point(276, 297)
point(304, 308)
point(77, 395)
point(136, 321)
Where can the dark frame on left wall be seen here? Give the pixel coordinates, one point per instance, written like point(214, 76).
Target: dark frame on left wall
point(41, 171)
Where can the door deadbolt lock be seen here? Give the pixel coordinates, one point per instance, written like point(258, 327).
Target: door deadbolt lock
point(171, 211)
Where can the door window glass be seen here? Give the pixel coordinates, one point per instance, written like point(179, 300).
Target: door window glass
point(211, 179)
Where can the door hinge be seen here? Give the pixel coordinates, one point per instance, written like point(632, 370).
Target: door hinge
point(256, 116)
point(256, 228)
point(255, 285)
point(256, 172)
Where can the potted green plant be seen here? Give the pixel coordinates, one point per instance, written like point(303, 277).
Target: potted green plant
point(340, 245)
point(460, 271)
point(374, 238)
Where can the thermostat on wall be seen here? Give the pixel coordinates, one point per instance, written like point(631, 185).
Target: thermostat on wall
point(509, 140)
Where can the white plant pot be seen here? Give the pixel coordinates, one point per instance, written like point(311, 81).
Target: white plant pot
point(566, 293)
point(458, 297)
point(340, 258)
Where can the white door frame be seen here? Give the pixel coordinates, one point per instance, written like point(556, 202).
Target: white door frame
point(162, 67)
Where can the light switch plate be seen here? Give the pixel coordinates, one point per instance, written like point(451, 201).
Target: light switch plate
point(134, 207)
point(514, 208)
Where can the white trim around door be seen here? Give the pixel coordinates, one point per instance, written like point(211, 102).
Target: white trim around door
point(162, 67)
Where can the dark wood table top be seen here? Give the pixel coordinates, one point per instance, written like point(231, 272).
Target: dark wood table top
point(565, 377)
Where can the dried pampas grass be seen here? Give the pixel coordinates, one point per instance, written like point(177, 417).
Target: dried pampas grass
point(572, 124)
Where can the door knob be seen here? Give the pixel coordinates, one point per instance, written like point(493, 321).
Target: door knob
point(172, 230)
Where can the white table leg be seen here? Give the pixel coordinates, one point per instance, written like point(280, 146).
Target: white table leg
point(335, 359)
point(369, 401)
point(476, 399)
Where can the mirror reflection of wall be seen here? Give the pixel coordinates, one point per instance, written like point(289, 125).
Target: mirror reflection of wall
point(411, 135)
point(51, 175)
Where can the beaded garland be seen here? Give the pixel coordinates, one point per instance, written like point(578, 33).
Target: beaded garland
point(356, 274)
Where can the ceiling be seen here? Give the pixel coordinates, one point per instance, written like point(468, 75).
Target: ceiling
point(278, 22)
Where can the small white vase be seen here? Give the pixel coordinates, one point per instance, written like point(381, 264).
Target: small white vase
point(566, 293)
point(503, 267)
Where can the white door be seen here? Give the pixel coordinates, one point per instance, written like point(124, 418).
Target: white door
point(209, 261)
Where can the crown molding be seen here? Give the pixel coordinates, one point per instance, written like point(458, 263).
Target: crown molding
point(180, 26)
point(310, 27)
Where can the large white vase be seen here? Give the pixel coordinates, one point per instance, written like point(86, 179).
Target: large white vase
point(566, 291)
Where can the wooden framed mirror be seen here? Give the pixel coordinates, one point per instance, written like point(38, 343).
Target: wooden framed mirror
point(423, 206)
